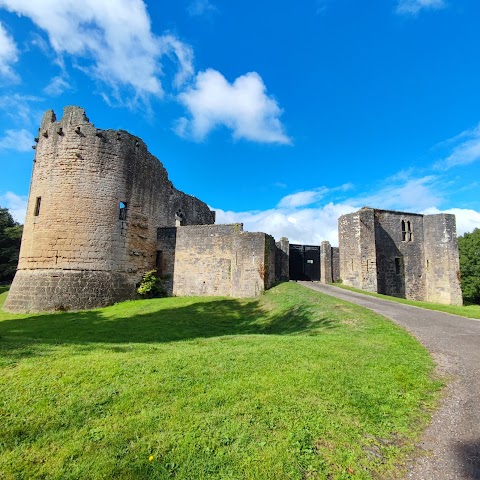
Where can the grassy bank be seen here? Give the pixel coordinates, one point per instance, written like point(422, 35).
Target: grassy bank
point(469, 310)
point(293, 385)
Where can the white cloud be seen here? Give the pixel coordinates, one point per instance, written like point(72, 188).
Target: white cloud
point(467, 219)
point(18, 140)
point(465, 151)
point(243, 106)
point(413, 194)
point(201, 7)
point(301, 199)
point(18, 108)
point(16, 204)
point(413, 7)
point(57, 86)
point(112, 41)
point(309, 226)
point(8, 55)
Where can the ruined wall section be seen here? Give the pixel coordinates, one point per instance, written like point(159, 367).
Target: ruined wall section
point(442, 265)
point(336, 264)
point(326, 274)
point(282, 260)
point(357, 249)
point(74, 229)
point(399, 239)
point(217, 260)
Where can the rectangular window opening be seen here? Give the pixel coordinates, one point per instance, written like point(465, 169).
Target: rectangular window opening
point(158, 262)
point(37, 206)
point(397, 265)
point(122, 215)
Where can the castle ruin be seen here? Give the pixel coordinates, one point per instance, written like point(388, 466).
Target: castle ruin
point(102, 211)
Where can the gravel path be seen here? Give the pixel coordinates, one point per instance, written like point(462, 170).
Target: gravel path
point(450, 447)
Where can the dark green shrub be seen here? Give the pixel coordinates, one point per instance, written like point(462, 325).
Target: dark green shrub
point(151, 286)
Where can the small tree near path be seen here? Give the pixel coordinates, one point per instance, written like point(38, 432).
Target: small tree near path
point(10, 237)
point(469, 249)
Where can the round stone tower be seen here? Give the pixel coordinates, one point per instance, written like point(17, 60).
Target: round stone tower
point(96, 200)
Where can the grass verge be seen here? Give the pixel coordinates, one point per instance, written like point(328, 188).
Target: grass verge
point(470, 310)
point(292, 385)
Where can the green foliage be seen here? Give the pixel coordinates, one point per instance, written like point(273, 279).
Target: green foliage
point(469, 248)
point(291, 385)
point(10, 237)
point(151, 286)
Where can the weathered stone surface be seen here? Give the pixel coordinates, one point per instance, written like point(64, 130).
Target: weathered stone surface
point(217, 260)
point(74, 225)
point(401, 254)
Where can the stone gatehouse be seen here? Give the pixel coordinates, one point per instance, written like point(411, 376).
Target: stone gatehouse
point(401, 254)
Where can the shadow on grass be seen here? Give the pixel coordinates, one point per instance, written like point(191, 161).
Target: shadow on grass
point(4, 288)
point(20, 337)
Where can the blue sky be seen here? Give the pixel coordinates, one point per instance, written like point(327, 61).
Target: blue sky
point(279, 114)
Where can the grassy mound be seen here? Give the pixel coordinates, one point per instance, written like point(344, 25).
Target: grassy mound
point(293, 385)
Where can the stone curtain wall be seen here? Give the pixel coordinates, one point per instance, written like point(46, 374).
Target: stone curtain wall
point(73, 232)
point(442, 263)
point(218, 260)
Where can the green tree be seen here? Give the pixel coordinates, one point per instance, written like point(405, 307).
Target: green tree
point(10, 237)
point(469, 249)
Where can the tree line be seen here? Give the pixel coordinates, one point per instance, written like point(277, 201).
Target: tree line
point(10, 237)
point(468, 246)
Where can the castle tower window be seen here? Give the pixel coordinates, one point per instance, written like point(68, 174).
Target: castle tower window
point(122, 215)
point(38, 201)
point(398, 265)
point(409, 232)
point(404, 231)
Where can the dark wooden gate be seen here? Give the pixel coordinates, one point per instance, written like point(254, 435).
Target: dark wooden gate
point(305, 262)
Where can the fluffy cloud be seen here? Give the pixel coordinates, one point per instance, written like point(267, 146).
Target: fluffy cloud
point(242, 106)
point(300, 199)
point(466, 149)
point(413, 7)
point(112, 41)
point(18, 140)
point(8, 55)
point(16, 204)
point(308, 226)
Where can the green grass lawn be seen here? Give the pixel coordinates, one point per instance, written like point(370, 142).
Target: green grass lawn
point(470, 310)
point(292, 385)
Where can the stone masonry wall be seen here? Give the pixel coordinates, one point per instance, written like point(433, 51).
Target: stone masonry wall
point(73, 224)
point(282, 260)
point(218, 260)
point(335, 264)
point(442, 263)
point(326, 275)
point(400, 263)
point(356, 233)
